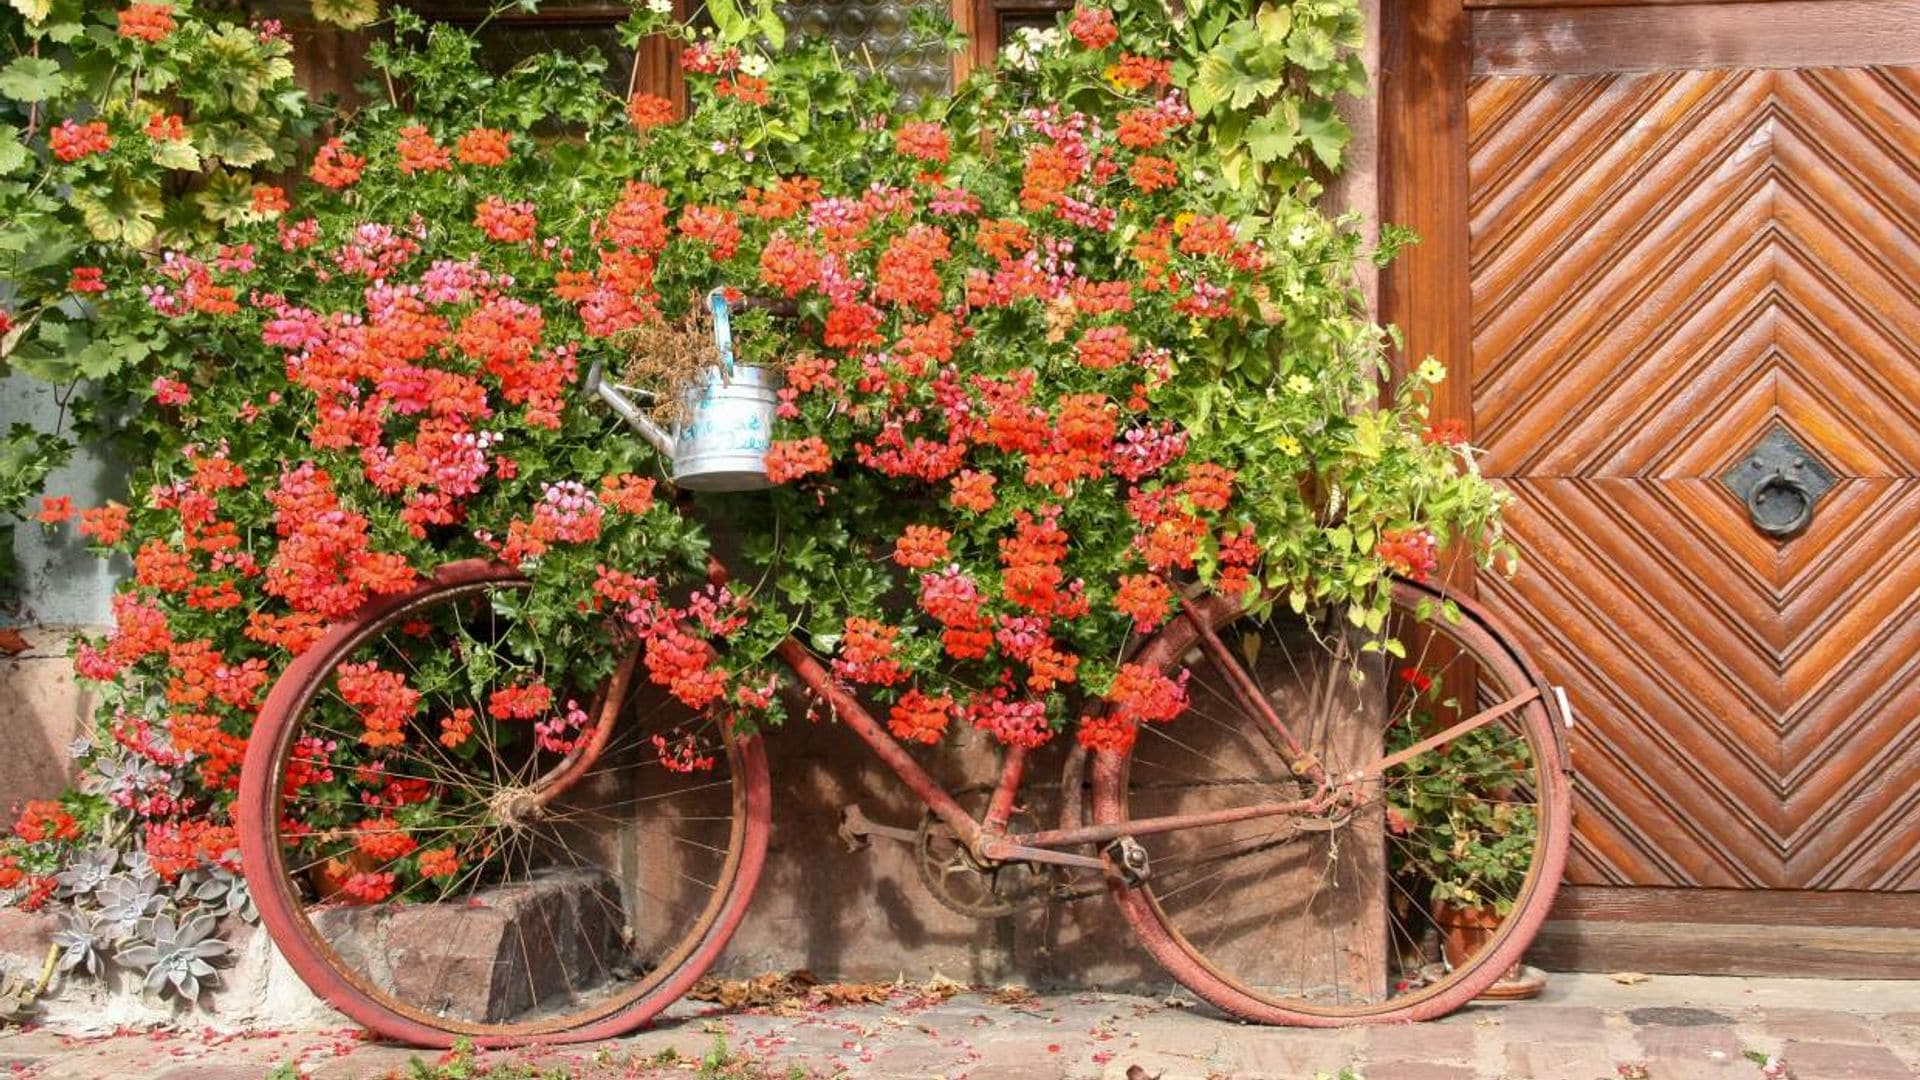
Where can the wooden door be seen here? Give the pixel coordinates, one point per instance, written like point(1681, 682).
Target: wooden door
point(1658, 238)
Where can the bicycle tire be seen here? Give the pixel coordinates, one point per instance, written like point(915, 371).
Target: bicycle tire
point(344, 978)
point(1221, 976)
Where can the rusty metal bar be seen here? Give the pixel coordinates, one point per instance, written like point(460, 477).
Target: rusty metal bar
point(1477, 720)
point(1098, 834)
point(1304, 764)
point(850, 712)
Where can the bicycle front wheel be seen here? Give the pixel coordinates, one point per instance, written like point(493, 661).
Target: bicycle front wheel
point(1409, 897)
point(447, 836)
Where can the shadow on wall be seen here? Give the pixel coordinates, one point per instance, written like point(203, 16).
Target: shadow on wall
point(864, 915)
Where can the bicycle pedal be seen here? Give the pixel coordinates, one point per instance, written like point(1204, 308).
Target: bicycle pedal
point(1129, 860)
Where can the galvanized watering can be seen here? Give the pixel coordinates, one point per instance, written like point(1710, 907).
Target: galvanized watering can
point(726, 427)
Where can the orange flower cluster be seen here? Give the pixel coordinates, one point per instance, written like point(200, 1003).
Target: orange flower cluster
point(455, 728)
point(483, 146)
point(382, 839)
point(333, 166)
point(867, 653)
point(146, 22)
point(923, 141)
point(42, 820)
point(1144, 599)
point(507, 222)
point(1031, 576)
point(920, 718)
point(382, 699)
point(791, 460)
point(438, 863)
point(647, 111)
point(520, 702)
point(419, 152)
point(1093, 27)
point(1412, 553)
point(909, 271)
point(72, 141)
point(921, 546)
point(166, 127)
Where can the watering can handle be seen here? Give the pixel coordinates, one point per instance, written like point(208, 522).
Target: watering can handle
point(722, 328)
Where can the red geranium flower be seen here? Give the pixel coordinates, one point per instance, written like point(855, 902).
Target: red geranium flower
point(920, 718)
point(646, 111)
point(1093, 27)
point(334, 167)
point(509, 223)
point(71, 141)
point(483, 146)
point(147, 22)
point(923, 140)
point(420, 153)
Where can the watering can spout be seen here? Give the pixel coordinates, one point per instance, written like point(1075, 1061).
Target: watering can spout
point(635, 417)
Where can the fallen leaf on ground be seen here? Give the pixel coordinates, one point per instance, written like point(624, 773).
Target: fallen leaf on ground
point(11, 643)
point(1629, 978)
point(1012, 994)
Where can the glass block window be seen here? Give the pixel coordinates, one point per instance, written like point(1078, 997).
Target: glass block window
point(878, 32)
point(874, 31)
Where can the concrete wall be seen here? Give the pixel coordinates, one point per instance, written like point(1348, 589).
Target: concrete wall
point(61, 586)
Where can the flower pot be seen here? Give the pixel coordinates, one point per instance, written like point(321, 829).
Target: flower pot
point(329, 879)
point(1464, 932)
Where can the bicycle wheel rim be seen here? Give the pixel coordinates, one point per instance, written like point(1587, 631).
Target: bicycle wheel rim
point(283, 898)
point(1164, 935)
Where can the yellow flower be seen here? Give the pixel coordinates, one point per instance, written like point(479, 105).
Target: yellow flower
point(1299, 384)
point(1288, 445)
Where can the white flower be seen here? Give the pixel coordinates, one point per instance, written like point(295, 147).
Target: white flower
point(1027, 45)
point(754, 64)
point(660, 7)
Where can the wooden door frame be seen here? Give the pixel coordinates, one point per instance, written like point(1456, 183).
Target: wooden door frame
point(1426, 64)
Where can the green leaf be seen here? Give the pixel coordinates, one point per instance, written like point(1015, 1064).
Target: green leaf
point(126, 214)
point(31, 78)
point(346, 14)
point(237, 146)
point(26, 457)
point(1326, 134)
point(227, 198)
point(176, 154)
point(1213, 83)
point(12, 153)
point(1272, 136)
point(1274, 23)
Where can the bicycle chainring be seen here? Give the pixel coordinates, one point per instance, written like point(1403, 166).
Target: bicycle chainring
point(960, 883)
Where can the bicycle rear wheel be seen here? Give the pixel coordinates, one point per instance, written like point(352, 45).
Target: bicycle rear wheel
point(448, 835)
point(1420, 894)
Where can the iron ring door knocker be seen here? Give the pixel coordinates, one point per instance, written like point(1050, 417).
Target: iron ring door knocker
point(1781, 503)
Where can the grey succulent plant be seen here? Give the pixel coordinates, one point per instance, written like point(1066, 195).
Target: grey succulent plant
point(219, 890)
point(83, 940)
point(127, 898)
point(175, 955)
point(89, 870)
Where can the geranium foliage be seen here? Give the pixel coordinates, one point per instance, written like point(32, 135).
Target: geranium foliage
point(1055, 350)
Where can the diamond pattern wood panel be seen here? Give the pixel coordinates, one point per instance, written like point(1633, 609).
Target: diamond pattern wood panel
point(1666, 266)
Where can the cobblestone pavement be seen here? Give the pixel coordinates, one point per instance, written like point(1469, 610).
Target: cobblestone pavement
point(1586, 1027)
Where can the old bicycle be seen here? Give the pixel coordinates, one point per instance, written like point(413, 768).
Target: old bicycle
point(1280, 848)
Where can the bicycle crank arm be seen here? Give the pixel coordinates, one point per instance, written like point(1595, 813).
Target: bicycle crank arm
point(857, 830)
